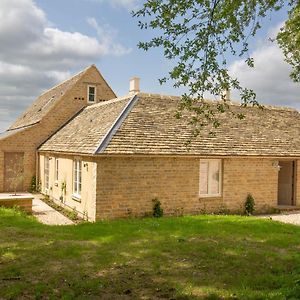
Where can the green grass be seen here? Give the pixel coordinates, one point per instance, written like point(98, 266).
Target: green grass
point(203, 257)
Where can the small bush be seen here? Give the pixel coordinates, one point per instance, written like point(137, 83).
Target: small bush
point(249, 205)
point(224, 210)
point(158, 212)
point(34, 185)
point(73, 215)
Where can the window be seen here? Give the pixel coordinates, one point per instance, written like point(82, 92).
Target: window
point(56, 169)
point(91, 93)
point(46, 172)
point(77, 178)
point(210, 178)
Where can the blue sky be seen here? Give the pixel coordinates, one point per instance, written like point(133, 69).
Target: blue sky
point(116, 69)
point(43, 42)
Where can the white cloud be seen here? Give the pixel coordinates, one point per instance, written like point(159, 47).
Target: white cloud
point(270, 76)
point(35, 54)
point(128, 4)
point(107, 36)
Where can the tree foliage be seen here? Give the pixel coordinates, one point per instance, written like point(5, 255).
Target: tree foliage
point(289, 41)
point(200, 37)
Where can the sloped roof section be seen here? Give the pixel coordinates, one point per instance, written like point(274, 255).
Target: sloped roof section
point(84, 133)
point(146, 125)
point(9, 133)
point(151, 128)
point(44, 103)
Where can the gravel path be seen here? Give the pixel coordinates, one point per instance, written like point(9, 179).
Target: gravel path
point(47, 215)
point(292, 218)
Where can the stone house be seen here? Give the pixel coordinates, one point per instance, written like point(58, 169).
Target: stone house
point(112, 158)
point(115, 157)
point(18, 145)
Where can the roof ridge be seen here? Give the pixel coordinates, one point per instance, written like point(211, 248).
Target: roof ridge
point(60, 127)
point(93, 65)
point(106, 102)
point(65, 81)
point(233, 103)
point(116, 125)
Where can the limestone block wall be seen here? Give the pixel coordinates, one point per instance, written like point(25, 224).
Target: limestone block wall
point(86, 204)
point(1, 170)
point(25, 141)
point(256, 176)
point(127, 185)
point(28, 140)
point(297, 185)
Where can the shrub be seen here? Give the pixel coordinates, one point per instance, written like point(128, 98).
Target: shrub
point(158, 212)
point(73, 215)
point(34, 185)
point(249, 205)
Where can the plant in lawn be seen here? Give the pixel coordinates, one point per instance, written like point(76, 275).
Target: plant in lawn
point(158, 212)
point(249, 205)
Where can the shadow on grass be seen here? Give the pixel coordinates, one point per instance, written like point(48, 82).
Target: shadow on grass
point(204, 257)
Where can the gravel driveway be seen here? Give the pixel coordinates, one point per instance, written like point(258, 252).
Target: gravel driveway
point(291, 218)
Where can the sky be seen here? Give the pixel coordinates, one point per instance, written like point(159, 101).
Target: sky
point(44, 42)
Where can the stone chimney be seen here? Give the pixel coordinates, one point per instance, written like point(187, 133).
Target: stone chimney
point(225, 95)
point(134, 85)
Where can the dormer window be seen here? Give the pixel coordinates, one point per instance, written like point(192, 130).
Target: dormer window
point(91, 93)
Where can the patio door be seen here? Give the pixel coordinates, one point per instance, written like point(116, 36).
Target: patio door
point(286, 183)
point(13, 171)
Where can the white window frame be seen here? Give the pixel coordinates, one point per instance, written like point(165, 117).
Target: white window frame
point(56, 170)
point(88, 93)
point(208, 186)
point(47, 172)
point(77, 178)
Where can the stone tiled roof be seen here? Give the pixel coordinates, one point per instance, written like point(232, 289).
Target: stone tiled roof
point(84, 133)
point(151, 128)
point(9, 133)
point(44, 103)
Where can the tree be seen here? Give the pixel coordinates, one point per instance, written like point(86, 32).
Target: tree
point(289, 41)
point(200, 35)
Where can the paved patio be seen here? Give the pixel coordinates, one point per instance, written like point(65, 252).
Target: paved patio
point(47, 215)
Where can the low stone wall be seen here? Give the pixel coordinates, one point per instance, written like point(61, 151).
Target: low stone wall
point(22, 201)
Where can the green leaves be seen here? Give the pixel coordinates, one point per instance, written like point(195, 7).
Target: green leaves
point(289, 41)
point(200, 36)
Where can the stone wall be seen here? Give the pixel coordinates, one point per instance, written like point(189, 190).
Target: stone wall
point(297, 186)
point(28, 140)
point(127, 185)
point(85, 205)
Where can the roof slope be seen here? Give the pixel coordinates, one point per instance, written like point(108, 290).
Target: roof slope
point(9, 133)
point(151, 128)
point(45, 102)
point(85, 131)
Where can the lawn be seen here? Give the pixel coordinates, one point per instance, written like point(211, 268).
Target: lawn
point(203, 257)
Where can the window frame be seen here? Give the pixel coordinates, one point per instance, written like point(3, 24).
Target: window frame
point(47, 174)
point(56, 169)
point(77, 178)
point(88, 93)
point(211, 195)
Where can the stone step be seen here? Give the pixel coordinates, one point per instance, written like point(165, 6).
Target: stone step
point(288, 208)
